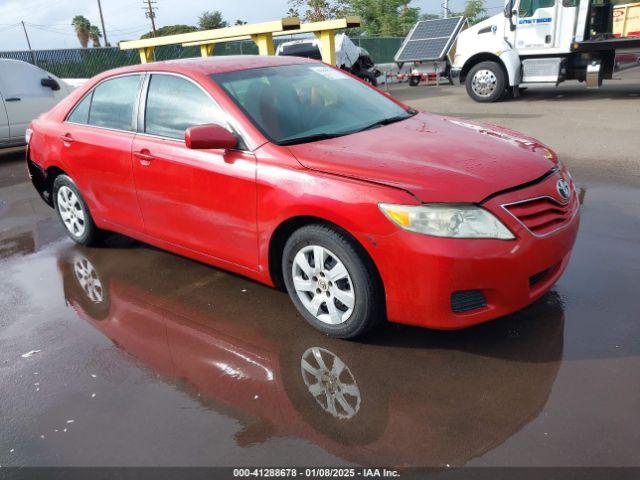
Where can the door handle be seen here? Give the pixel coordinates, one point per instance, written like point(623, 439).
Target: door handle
point(12, 99)
point(67, 138)
point(144, 156)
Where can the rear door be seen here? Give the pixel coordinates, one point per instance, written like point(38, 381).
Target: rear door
point(24, 97)
point(97, 137)
point(204, 200)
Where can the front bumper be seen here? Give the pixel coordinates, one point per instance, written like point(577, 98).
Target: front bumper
point(421, 273)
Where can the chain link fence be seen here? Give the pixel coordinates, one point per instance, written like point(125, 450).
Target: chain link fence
point(87, 62)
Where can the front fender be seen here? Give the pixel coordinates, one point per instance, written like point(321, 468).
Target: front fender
point(511, 61)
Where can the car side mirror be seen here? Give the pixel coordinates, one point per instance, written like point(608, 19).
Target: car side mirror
point(50, 83)
point(210, 136)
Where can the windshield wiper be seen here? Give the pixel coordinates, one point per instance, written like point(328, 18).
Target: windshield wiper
point(311, 138)
point(387, 121)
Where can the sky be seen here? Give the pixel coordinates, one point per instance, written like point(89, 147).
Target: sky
point(48, 22)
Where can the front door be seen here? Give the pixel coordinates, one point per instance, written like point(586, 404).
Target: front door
point(25, 98)
point(204, 200)
point(96, 150)
point(535, 26)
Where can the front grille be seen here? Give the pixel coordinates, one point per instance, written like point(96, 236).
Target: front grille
point(543, 215)
point(466, 300)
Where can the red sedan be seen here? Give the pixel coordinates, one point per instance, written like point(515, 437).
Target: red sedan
point(300, 176)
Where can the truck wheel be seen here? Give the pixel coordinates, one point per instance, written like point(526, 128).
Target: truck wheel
point(486, 82)
point(414, 81)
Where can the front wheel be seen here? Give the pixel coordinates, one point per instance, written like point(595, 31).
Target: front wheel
point(332, 282)
point(414, 81)
point(486, 82)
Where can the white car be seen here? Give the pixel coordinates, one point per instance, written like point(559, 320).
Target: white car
point(26, 91)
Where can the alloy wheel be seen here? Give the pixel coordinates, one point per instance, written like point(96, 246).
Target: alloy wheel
point(323, 284)
point(71, 211)
point(484, 83)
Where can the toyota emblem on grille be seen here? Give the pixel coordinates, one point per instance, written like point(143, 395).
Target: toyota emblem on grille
point(563, 189)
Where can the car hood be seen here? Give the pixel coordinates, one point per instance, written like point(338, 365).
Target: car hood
point(437, 159)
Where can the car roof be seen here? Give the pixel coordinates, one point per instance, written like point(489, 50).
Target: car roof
point(213, 64)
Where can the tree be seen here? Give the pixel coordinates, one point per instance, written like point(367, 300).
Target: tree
point(475, 11)
point(82, 26)
point(211, 20)
point(316, 10)
point(240, 22)
point(170, 30)
point(384, 17)
point(95, 35)
point(292, 12)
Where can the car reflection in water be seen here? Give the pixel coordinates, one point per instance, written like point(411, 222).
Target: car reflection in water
point(400, 397)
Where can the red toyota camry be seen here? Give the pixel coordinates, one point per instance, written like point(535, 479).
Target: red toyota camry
point(300, 176)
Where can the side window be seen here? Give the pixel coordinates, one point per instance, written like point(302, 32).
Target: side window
point(113, 103)
point(529, 7)
point(175, 104)
point(569, 3)
point(80, 114)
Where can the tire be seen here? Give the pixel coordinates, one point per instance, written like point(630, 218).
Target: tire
point(73, 212)
point(486, 82)
point(344, 298)
point(414, 81)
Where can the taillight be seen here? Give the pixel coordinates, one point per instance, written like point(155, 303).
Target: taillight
point(27, 135)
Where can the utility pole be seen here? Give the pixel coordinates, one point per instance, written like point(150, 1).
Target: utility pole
point(445, 9)
point(104, 30)
point(33, 54)
point(150, 14)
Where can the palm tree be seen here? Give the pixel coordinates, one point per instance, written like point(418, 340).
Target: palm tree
point(95, 34)
point(82, 27)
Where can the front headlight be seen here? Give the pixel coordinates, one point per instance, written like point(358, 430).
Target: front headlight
point(447, 220)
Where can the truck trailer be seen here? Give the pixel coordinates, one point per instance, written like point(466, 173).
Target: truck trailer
point(535, 42)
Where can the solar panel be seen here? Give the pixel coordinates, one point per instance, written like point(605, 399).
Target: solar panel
point(429, 40)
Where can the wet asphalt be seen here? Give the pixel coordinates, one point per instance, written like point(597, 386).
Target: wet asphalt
point(127, 355)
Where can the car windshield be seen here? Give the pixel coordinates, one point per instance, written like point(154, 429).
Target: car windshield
point(306, 102)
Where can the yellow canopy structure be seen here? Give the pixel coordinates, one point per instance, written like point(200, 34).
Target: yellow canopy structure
point(261, 33)
point(324, 31)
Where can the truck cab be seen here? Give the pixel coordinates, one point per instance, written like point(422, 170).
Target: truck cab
point(539, 42)
point(26, 91)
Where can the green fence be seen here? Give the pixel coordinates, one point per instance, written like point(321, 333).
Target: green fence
point(87, 62)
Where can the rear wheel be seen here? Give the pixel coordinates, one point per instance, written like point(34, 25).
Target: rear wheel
point(73, 212)
point(414, 81)
point(486, 82)
point(332, 282)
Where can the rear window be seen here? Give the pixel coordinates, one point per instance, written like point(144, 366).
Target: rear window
point(113, 103)
point(80, 114)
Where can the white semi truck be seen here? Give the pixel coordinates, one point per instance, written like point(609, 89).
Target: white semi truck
point(540, 42)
